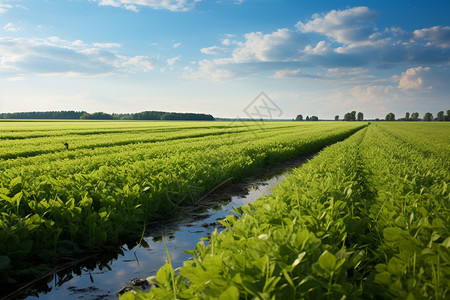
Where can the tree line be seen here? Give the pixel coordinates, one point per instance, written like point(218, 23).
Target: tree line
point(44, 115)
point(300, 118)
point(73, 115)
point(440, 116)
point(350, 116)
point(353, 116)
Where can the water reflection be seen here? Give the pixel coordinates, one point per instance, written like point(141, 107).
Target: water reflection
point(105, 275)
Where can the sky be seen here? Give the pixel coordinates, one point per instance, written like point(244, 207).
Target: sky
point(322, 58)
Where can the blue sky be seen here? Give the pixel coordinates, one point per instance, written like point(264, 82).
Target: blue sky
point(310, 57)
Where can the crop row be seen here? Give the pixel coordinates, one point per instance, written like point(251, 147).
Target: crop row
point(112, 154)
point(49, 144)
point(367, 218)
point(53, 207)
point(95, 128)
point(16, 148)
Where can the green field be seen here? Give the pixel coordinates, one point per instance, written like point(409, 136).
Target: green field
point(117, 175)
point(367, 218)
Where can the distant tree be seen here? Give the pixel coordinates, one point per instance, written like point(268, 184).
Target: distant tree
point(428, 116)
point(390, 117)
point(353, 114)
point(307, 118)
point(377, 119)
point(187, 117)
point(415, 116)
point(360, 116)
point(348, 117)
point(314, 118)
point(407, 116)
point(440, 116)
point(43, 115)
point(299, 118)
point(336, 118)
point(97, 116)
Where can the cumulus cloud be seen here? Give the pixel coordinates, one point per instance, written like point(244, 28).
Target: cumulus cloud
point(280, 45)
point(56, 56)
point(320, 49)
point(176, 45)
point(134, 5)
point(345, 26)
point(352, 41)
point(437, 34)
point(214, 50)
point(412, 78)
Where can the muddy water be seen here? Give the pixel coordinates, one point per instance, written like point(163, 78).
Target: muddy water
point(108, 274)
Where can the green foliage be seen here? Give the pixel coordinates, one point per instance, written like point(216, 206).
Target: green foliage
point(390, 117)
point(367, 218)
point(428, 116)
point(117, 176)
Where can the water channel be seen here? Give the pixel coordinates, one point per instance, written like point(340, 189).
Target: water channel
point(105, 275)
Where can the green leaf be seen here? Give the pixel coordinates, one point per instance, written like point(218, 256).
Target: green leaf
point(396, 266)
point(299, 259)
point(392, 234)
point(383, 278)
point(446, 243)
point(327, 261)
point(231, 293)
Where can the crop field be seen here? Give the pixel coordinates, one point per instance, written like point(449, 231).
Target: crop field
point(367, 218)
point(71, 187)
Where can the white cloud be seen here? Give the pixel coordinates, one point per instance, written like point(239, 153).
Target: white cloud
point(214, 50)
point(412, 78)
point(176, 45)
point(4, 7)
point(285, 73)
point(173, 60)
point(280, 45)
point(320, 49)
point(78, 43)
point(11, 27)
point(134, 5)
point(110, 3)
point(437, 34)
point(283, 52)
point(106, 45)
point(131, 7)
point(345, 26)
point(134, 64)
point(56, 56)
